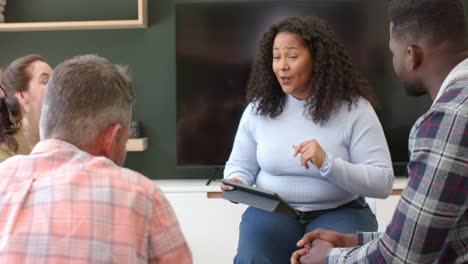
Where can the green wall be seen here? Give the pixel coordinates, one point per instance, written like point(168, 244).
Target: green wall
point(149, 53)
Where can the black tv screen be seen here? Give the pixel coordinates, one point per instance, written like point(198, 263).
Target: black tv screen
point(215, 47)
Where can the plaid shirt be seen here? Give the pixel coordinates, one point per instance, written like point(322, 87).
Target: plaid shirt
point(63, 205)
point(430, 224)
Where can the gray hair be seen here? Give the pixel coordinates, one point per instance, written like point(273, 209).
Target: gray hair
point(85, 95)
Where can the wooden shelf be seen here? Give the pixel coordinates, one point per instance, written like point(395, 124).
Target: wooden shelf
point(137, 144)
point(140, 22)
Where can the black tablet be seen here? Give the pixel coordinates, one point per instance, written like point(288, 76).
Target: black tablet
point(258, 198)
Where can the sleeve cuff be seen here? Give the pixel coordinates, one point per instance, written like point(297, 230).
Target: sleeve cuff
point(366, 237)
point(244, 181)
point(326, 166)
point(334, 255)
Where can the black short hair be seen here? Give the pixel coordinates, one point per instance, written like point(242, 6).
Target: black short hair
point(433, 20)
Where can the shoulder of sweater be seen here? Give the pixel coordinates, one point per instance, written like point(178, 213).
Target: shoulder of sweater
point(363, 104)
point(357, 105)
point(250, 112)
point(359, 108)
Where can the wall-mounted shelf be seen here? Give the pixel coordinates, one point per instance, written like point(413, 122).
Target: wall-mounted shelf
point(137, 144)
point(140, 22)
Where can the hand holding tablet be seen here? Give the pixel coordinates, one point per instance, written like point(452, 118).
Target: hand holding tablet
point(257, 197)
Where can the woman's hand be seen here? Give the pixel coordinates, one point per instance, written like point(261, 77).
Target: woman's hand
point(310, 151)
point(225, 187)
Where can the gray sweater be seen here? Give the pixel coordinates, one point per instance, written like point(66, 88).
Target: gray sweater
point(358, 161)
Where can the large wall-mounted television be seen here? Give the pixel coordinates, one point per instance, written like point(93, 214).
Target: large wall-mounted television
point(216, 44)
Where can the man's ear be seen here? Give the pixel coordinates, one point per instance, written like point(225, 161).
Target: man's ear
point(108, 140)
point(23, 99)
point(415, 57)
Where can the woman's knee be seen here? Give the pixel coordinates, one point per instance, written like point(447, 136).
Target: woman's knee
point(347, 220)
point(267, 237)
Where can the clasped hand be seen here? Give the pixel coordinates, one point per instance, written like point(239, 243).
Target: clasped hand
point(317, 244)
point(310, 151)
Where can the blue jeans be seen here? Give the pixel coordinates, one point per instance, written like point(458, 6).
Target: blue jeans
point(270, 238)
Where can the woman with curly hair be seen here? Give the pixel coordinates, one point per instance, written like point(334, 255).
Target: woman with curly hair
point(22, 86)
point(309, 134)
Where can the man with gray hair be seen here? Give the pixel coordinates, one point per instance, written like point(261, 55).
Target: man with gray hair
point(70, 201)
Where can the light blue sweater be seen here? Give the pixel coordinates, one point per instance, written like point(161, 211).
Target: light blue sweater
point(358, 161)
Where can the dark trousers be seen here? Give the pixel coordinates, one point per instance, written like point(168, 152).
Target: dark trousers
point(270, 238)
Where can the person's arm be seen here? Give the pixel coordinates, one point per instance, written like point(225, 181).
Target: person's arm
point(166, 243)
point(366, 237)
point(316, 245)
point(369, 172)
point(432, 202)
point(242, 163)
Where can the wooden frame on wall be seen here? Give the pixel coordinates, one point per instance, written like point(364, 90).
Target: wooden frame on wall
point(137, 144)
point(140, 22)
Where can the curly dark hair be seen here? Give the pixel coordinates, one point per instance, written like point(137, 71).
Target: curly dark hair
point(434, 20)
point(334, 79)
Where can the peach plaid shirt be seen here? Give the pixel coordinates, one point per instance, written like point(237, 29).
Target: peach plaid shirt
point(63, 205)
